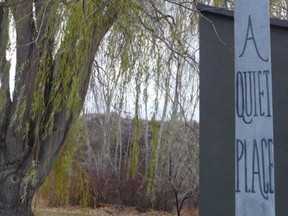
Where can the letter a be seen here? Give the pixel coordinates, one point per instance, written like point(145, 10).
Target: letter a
point(250, 36)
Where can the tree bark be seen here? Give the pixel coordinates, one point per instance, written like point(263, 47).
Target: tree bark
point(50, 88)
point(10, 194)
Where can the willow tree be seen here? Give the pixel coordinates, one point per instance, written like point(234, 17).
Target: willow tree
point(55, 44)
point(152, 82)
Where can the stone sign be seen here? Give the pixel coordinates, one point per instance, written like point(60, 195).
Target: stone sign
point(254, 141)
point(243, 132)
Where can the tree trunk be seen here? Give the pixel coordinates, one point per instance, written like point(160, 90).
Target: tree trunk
point(50, 87)
point(12, 186)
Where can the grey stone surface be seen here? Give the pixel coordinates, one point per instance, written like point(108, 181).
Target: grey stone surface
point(217, 114)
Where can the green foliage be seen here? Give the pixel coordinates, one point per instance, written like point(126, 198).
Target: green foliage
point(137, 72)
point(105, 180)
point(136, 68)
point(60, 186)
point(64, 67)
point(279, 9)
point(153, 161)
point(134, 151)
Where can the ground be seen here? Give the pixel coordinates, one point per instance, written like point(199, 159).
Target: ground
point(105, 210)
